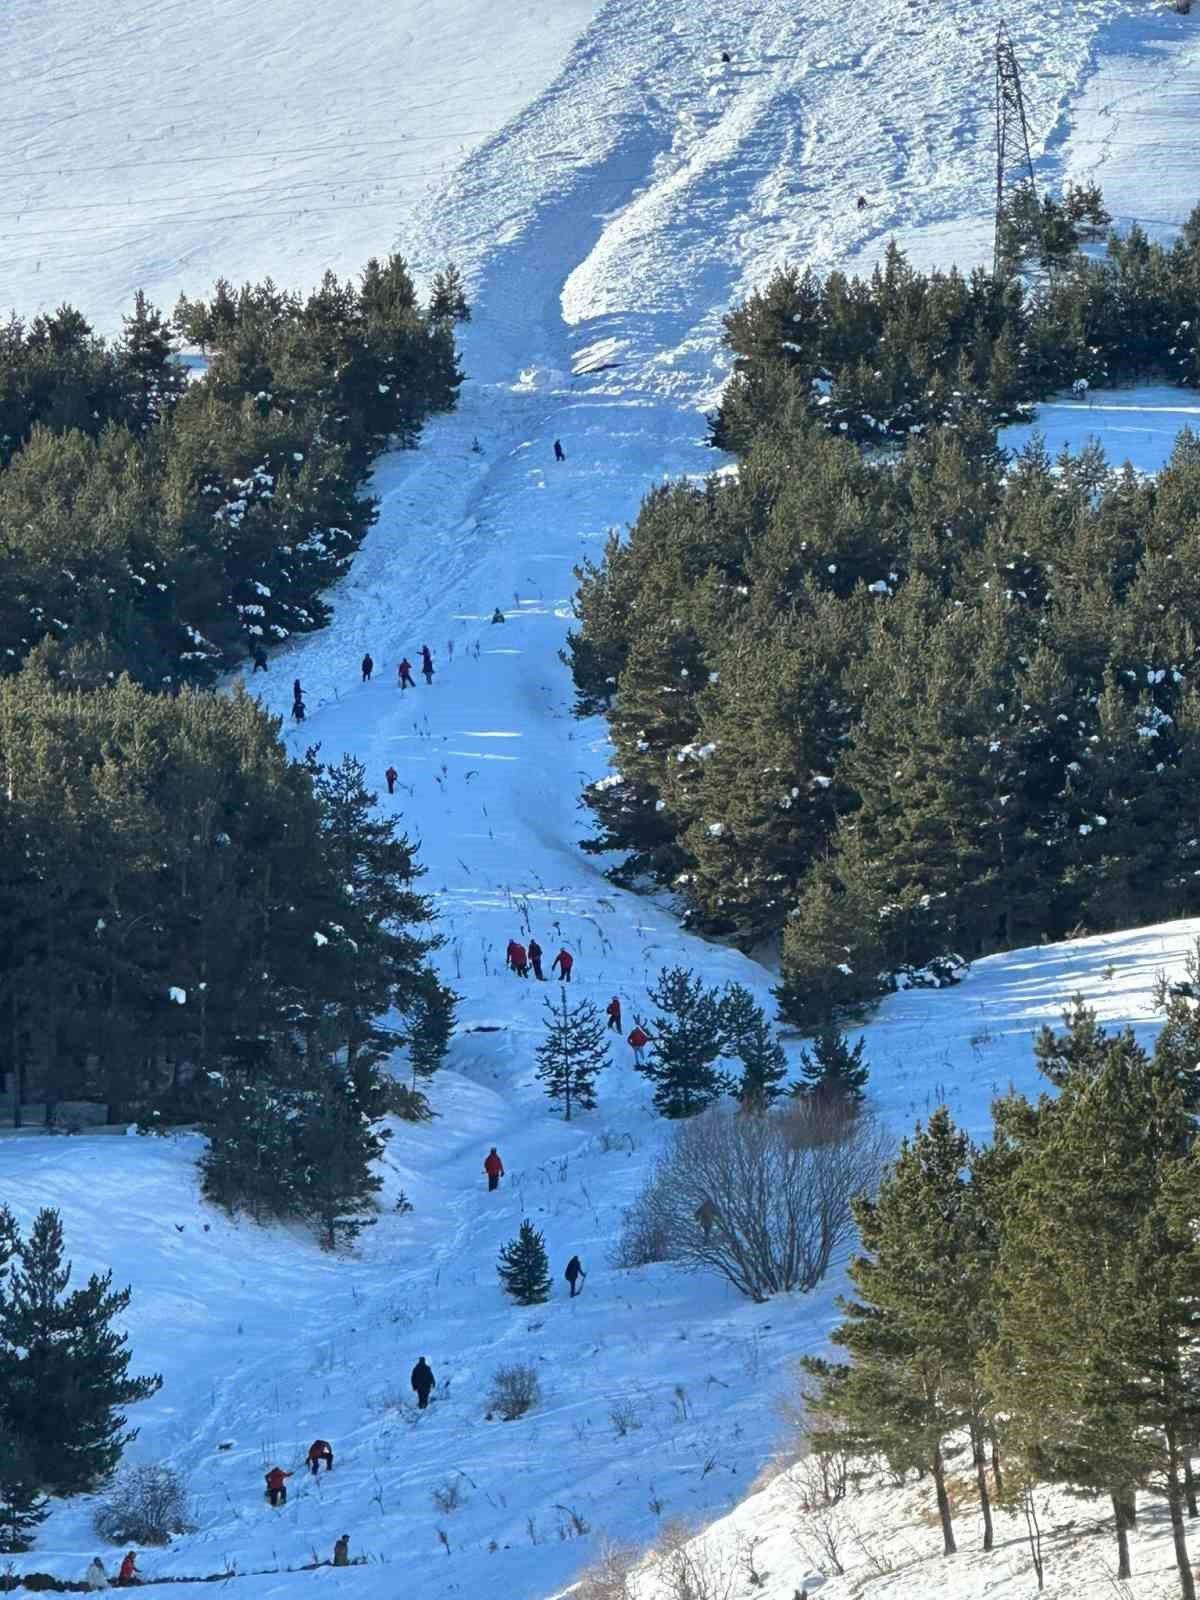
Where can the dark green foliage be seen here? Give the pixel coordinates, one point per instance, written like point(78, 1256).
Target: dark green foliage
point(834, 1070)
point(524, 1268)
point(22, 1505)
point(165, 529)
point(67, 1368)
point(572, 1053)
point(749, 1038)
point(154, 844)
point(335, 1147)
point(686, 1037)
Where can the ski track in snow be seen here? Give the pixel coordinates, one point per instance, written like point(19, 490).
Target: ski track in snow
point(622, 190)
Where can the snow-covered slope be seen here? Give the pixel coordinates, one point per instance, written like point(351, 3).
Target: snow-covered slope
point(624, 187)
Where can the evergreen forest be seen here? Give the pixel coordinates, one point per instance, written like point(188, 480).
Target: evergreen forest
point(883, 699)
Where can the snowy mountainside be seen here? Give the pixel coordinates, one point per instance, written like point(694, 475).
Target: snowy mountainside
point(625, 186)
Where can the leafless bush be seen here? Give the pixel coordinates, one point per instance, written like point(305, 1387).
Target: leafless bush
point(571, 1524)
point(610, 1576)
point(515, 1390)
point(448, 1496)
point(819, 1481)
point(821, 1535)
point(687, 1566)
point(762, 1199)
point(145, 1505)
point(624, 1418)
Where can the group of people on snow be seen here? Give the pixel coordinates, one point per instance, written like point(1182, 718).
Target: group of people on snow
point(96, 1578)
point(519, 958)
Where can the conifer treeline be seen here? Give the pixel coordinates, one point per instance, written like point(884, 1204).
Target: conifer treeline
point(162, 528)
point(186, 914)
point(1037, 1297)
point(896, 714)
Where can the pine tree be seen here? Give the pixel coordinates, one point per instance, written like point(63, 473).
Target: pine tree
point(448, 302)
point(750, 1039)
point(834, 1071)
point(335, 1146)
point(685, 1043)
point(524, 1267)
point(22, 1506)
point(70, 1375)
point(572, 1053)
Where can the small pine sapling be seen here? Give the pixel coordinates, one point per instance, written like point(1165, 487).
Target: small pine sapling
point(750, 1039)
point(834, 1071)
point(573, 1052)
point(524, 1267)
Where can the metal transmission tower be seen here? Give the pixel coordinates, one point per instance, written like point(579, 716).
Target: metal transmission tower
point(1014, 164)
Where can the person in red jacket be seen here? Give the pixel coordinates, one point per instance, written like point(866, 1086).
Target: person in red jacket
point(128, 1574)
point(535, 960)
point(564, 960)
point(518, 960)
point(319, 1450)
point(637, 1041)
point(389, 778)
point(494, 1168)
point(613, 1012)
point(404, 673)
point(277, 1487)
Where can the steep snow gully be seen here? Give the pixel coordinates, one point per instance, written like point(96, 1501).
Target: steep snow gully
point(628, 187)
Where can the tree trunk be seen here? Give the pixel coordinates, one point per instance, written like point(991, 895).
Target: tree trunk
point(938, 1467)
point(1187, 1583)
point(985, 1502)
point(1124, 1521)
point(1189, 1483)
point(996, 1478)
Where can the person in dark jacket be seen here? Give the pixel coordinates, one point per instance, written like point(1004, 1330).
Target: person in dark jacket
point(706, 1216)
point(426, 665)
point(368, 667)
point(535, 960)
point(862, 202)
point(494, 1168)
point(297, 691)
point(277, 1486)
point(559, 453)
point(497, 615)
point(389, 778)
point(298, 710)
point(573, 1274)
point(404, 673)
point(423, 1381)
point(613, 1012)
point(564, 961)
point(341, 1551)
point(319, 1450)
point(260, 659)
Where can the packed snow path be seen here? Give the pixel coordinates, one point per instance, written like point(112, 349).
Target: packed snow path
point(605, 229)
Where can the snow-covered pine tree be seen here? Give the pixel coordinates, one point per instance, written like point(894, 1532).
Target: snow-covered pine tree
point(524, 1267)
point(834, 1070)
point(685, 1043)
point(572, 1053)
point(750, 1039)
point(67, 1369)
point(335, 1148)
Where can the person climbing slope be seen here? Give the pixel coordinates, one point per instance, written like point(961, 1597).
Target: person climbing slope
point(128, 1574)
point(390, 777)
point(637, 1042)
point(564, 961)
point(518, 960)
point(423, 1381)
point(319, 1450)
point(277, 1486)
point(404, 673)
point(95, 1577)
point(613, 1012)
point(260, 659)
point(426, 665)
point(573, 1274)
point(341, 1551)
point(535, 960)
point(559, 453)
point(494, 1168)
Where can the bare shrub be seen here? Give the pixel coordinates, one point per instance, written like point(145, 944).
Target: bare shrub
point(610, 1576)
point(515, 1390)
point(625, 1418)
point(448, 1496)
point(762, 1198)
point(821, 1536)
point(145, 1505)
point(819, 1481)
point(688, 1566)
point(571, 1523)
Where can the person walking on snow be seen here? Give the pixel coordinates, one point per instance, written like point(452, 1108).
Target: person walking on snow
point(573, 1274)
point(637, 1042)
point(260, 659)
point(535, 960)
point(319, 1451)
point(389, 778)
point(494, 1168)
point(613, 1012)
point(518, 960)
point(95, 1577)
point(341, 1551)
point(423, 1381)
point(128, 1574)
point(426, 665)
point(559, 453)
point(564, 960)
point(404, 673)
point(368, 667)
point(276, 1486)
point(298, 710)
point(297, 691)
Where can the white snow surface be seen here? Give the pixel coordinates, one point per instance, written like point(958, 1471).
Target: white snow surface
point(610, 188)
